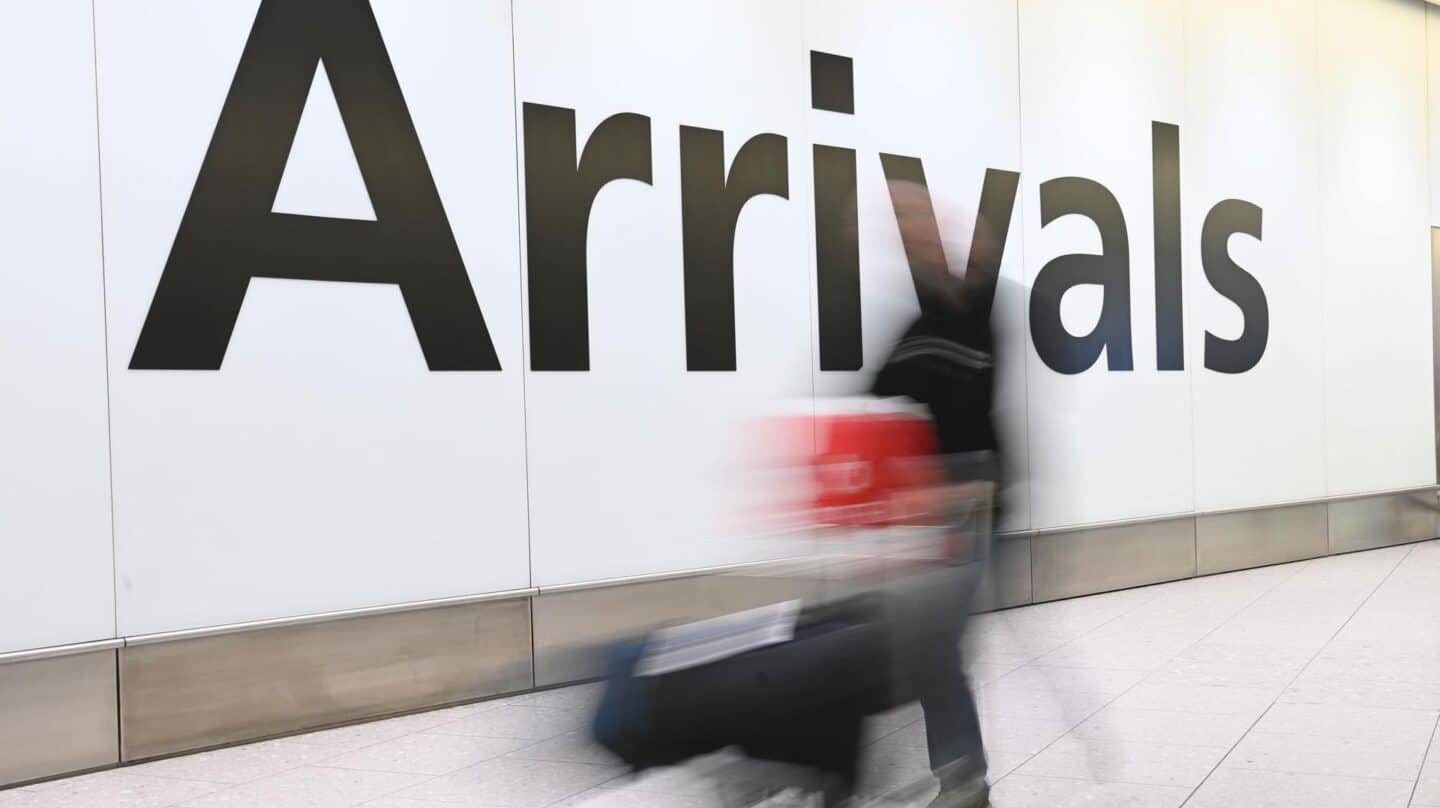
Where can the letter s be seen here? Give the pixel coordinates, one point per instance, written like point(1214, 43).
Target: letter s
point(1229, 279)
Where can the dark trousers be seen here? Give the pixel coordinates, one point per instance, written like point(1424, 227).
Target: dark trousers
point(931, 614)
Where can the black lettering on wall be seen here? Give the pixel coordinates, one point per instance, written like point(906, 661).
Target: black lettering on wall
point(710, 205)
point(837, 259)
point(912, 170)
point(1227, 218)
point(837, 252)
point(1169, 301)
point(229, 234)
point(559, 193)
point(1062, 351)
point(832, 82)
point(997, 203)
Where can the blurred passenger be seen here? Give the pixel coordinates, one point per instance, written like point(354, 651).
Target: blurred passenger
point(945, 361)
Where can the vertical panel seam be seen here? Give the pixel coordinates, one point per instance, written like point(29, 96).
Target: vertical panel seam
point(520, 258)
point(1318, 121)
point(1430, 134)
point(1024, 290)
point(1186, 299)
point(105, 331)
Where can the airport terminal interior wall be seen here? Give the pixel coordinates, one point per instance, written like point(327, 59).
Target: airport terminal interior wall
point(325, 466)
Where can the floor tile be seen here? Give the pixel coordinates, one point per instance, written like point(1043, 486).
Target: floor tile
point(1019, 791)
point(523, 721)
point(514, 783)
point(1224, 674)
point(1362, 693)
point(1203, 699)
point(576, 697)
point(1349, 722)
point(604, 797)
point(236, 764)
point(1072, 707)
point(118, 788)
point(1234, 788)
point(426, 753)
point(309, 787)
point(1124, 762)
point(572, 747)
point(1051, 679)
point(1383, 758)
point(359, 736)
point(406, 802)
point(17, 798)
point(1164, 726)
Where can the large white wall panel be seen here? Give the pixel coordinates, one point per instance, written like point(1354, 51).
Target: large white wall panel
point(634, 463)
point(1251, 133)
point(1104, 444)
point(323, 466)
point(55, 582)
point(1432, 37)
point(1374, 245)
point(937, 81)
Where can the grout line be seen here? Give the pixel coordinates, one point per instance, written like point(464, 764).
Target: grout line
point(1425, 761)
point(1297, 675)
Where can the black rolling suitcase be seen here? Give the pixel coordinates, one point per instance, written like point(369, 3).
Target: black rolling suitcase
point(802, 701)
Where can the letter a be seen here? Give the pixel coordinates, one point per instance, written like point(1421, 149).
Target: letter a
point(229, 233)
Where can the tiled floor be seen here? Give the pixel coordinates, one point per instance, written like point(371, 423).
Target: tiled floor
point(1308, 685)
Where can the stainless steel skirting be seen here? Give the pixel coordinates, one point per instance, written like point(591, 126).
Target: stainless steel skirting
point(1242, 539)
point(572, 628)
point(1098, 559)
point(1365, 523)
point(1008, 579)
point(59, 710)
point(208, 691)
point(58, 714)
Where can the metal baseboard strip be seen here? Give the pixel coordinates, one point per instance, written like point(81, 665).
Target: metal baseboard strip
point(57, 651)
point(199, 692)
point(58, 715)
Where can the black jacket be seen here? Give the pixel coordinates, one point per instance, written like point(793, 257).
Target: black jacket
point(946, 361)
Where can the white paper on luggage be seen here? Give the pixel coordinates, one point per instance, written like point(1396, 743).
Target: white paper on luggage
point(693, 644)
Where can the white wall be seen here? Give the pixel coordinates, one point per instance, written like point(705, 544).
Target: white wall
point(55, 580)
point(1252, 131)
point(325, 466)
point(1379, 406)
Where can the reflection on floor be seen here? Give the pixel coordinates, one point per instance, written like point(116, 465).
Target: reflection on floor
point(1309, 685)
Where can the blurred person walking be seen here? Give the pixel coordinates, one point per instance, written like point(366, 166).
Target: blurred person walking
point(945, 360)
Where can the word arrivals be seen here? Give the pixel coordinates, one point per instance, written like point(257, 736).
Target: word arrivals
point(229, 232)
